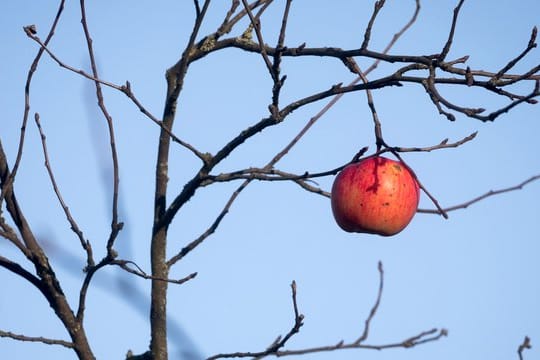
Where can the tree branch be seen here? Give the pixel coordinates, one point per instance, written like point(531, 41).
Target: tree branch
point(74, 226)
point(8, 334)
point(526, 344)
point(29, 77)
point(274, 350)
point(212, 228)
point(116, 226)
point(482, 197)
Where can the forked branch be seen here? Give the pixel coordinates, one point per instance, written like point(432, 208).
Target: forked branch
point(275, 348)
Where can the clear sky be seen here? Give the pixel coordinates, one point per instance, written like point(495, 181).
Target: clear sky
point(475, 274)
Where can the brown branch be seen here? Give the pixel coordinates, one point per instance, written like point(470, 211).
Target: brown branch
point(274, 350)
point(430, 62)
point(8, 334)
point(495, 114)
point(22, 272)
point(126, 89)
point(212, 228)
point(298, 323)
point(526, 344)
point(440, 210)
point(125, 265)
point(256, 24)
point(49, 285)
point(482, 197)
point(442, 145)
point(279, 81)
point(9, 233)
point(379, 141)
point(450, 39)
point(74, 226)
point(280, 341)
point(336, 98)
point(175, 76)
point(230, 20)
point(33, 67)
point(268, 173)
point(375, 307)
point(395, 79)
point(531, 45)
point(116, 226)
point(367, 32)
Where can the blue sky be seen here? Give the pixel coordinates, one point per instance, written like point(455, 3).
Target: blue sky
point(475, 274)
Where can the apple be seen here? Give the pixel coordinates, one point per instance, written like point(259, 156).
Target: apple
point(375, 196)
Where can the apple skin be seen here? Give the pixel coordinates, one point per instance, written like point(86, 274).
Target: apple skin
point(375, 196)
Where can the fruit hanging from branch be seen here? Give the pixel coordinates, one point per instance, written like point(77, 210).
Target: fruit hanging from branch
point(375, 196)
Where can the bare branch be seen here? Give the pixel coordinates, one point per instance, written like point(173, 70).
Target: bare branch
point(175, 77)
point(448, 44)
point(367, 33)
point(125, 265)
point(375, 307)
point(9, 233)
point(126, 89)
point(482, 197)
point(22, 272)
point(298, 322)
point(418, 339)
point(531, 45)
point(40, 339)
point(526, 344)
point(442, 145)
point(211, 229)
point(31, 71)
point(116, 226)
point(74, 226)
point(289, 146)
point(256, 24)
point(440, 210)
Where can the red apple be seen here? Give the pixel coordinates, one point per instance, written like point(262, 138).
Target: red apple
point(376, 196)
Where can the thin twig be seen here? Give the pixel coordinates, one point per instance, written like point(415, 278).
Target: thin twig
point(125, 265)
point(256, 23)
point(298, 322)
point(33, 67)
point(375, 307)
point(276, 88)
point(116, 226)
point(367, 33)
point(8, 334)
point(126, 89)
point(418, 339)
point(526, 344)
point(74, 226)
point(211, 229)
point(531, 45)
point(482, 197)
point(442, 145)
point(435, 202)
point(450, 39)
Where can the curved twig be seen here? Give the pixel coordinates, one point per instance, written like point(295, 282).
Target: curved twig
point(483, 196)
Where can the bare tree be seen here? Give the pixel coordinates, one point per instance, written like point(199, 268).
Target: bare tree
point(429, 72)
